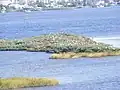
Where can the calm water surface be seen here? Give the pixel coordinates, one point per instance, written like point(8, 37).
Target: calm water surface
point(87, 21)
point(102, 24)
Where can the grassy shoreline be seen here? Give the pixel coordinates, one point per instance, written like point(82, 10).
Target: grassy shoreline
point(19, 82)
point(68, 55)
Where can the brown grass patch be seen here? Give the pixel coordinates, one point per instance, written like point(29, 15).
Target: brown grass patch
point(85, 54)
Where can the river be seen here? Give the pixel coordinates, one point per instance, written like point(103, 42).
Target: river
point(101, 24)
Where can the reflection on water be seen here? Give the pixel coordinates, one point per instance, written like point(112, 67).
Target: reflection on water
point(115, 41)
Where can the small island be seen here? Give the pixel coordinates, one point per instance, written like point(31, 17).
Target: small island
point(61, 45)
point(19, 82)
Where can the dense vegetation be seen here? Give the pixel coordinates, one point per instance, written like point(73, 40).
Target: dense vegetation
point(11, 83)
point(55, 43)
point(62, 44)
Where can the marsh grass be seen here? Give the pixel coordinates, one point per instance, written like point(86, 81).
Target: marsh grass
point(67, 55)
point(11, 83)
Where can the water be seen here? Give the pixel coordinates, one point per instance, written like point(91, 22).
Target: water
point(92, 22)
point(102, 24)
point(78, 74)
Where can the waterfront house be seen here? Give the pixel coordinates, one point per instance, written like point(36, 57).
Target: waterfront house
point(5, 2)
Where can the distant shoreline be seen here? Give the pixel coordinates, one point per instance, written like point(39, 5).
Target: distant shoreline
point(47, 9)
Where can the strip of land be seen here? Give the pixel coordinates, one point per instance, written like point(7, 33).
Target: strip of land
point(85, 54)
point(12, 83)
point(61, 45)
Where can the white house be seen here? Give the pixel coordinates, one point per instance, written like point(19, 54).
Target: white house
point(5, 2)
point(101, 3)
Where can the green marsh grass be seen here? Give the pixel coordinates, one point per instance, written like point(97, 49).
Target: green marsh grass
point(17, 82)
